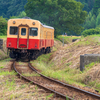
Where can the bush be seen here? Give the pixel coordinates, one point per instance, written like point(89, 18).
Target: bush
point(3, 26)
point(90, 32)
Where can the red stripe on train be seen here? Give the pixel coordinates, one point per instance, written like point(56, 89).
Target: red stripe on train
point(32, 43)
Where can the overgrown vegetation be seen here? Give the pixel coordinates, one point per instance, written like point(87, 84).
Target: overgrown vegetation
point(30, 74)
point(3, 26)
point(88, 4)
point(90, 32)
point(71, 76)
point(64, 71)
point(93, 20)
point(11, 87)
point(11, 8)
point(67, 39)
point(9, 84)
point(3, 37)
point(3, 52)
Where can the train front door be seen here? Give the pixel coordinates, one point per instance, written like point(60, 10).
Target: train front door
point(23, 38)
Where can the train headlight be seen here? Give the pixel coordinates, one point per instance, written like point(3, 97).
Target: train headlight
point(9, 44)
point(33, 23)
point(14, 22)
point(35, 45)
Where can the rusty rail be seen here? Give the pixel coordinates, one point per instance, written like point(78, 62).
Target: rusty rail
point(56, 81)
point(53, 91)
point(67, 85)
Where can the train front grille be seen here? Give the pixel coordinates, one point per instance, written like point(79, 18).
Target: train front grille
point(22, 46)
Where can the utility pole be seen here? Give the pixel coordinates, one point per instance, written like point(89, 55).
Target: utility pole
point(63, 39)
point(1, 44)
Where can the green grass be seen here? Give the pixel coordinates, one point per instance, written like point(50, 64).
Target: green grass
point(68, 75)
point(67, 98)
point(10, 84)
point(68, 64)
point(30, 74)
point(49, 96)
point(36, 87)
point(23, 86)
point(82, 43)
point(92, 40)
point(4, 62)
point(5, 73)
point(1, 67)
point(89, 66)
point(3, 37)
point(44, 58)
point(67, 39)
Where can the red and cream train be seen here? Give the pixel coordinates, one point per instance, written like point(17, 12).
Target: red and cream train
point(28, 38)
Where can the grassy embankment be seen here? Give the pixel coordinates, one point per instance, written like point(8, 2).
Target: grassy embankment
point(6, 82)
point(63, 69)
point(3, 37)
point(12, 87)
point(3, 53)
point(67, 39)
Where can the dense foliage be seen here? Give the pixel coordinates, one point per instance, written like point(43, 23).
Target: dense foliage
point(14, 7)
point(64, 15)
point(11, 7)
point(93, 20)
point(90, 32)
point(96, 7)
point(3, 26)
point(21, 15)
point(88, 4)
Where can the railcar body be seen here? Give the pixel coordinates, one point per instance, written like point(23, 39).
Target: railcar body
point(28, 38)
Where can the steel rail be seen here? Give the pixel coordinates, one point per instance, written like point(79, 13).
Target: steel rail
point(67, 85)
point(64, 96)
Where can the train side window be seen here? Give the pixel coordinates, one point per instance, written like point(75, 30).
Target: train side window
point(13, 30)
point(33, 32)
point(23, 31)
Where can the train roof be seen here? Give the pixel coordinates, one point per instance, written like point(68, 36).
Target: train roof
point(35, 20)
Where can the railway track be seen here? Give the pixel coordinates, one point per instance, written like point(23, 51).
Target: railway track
point(61, 89)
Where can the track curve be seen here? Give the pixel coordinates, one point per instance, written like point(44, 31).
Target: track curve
point(56, 86)
point(34, 82)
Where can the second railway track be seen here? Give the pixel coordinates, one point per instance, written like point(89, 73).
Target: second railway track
point(29, 73)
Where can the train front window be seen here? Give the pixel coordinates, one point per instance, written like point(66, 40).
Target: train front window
point(13, 30)
point(23, 31)
point(33, 32)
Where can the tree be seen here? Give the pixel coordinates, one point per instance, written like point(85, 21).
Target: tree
point(16, 6)
point(21, 15)
point(90, 32)
point(3, 26)
point(90, 21)
point(88, 4)
point(93, 21)
point(4, 4)
point(96, 6)
point(63, 15)
point(11, 7)
point(98, 20)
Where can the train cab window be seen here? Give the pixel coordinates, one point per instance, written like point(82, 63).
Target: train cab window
point(23, 31)
point(13, 30)
point(33, 32)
